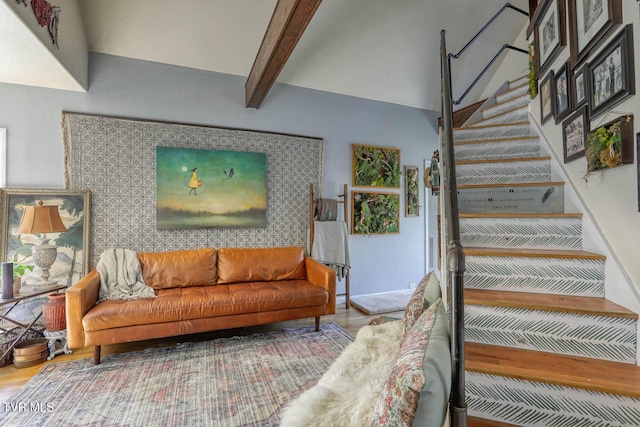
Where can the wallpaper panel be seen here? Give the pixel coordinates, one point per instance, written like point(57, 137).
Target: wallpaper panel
point(115, 159)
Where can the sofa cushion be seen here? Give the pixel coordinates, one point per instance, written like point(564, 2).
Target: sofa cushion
point(398, 402)
point(179, 269)
point(189, 303)
point(432, 290)
point(415, 306)
point(237, 265)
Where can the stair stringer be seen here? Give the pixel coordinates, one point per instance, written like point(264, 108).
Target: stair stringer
point(618, 286)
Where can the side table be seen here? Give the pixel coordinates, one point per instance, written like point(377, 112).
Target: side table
point(57, 343)
point(23, 296)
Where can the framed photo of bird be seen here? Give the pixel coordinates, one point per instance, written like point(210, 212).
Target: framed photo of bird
point(200, 188)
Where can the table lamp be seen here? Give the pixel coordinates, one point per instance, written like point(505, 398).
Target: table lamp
point(42, 219)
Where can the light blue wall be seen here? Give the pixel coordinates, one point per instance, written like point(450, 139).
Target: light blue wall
point(139, 89)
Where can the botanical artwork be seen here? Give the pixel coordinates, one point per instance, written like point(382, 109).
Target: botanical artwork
point(198, 188)
point(574, 131)
point(376, 166)
point(375, 213)
point(610, 145)
point(412, 191)
point(72, 262)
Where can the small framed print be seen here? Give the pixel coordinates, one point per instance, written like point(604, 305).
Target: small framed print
point(550, 33)
point(546, 94)
point(574, 135)
point(561, 93)
point(579, 85)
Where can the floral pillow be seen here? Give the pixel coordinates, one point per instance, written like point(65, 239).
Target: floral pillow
point(415, 307)
point(397, 404)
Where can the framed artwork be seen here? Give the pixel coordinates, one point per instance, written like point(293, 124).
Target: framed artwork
point(3, 157)
point(546, 93)
point(375, 166)
point(611, 73)
point(72, 262)
point(375, 213)
point(610, 145)
point(579, 85)
point(561, 90)
point(550, 33)
point(411, 191)
point(199, 188)
point(589, 22)
point(574, 135)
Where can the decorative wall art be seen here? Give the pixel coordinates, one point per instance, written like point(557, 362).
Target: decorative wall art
point(411, 191)
point(198, 188)
point(610, 145)
point(589, 22)
point(638, 167)
point(574, 134)
point(561, 90)
point(375, 213)
point(47, 16)
point(611, 73)
point(3, 157)
point(116, 158)
point(546, 98)
point(72, 262)
point(550, 33)
point(376, 166)
point(579, 85)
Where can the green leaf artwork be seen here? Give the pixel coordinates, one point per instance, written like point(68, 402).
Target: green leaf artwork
point(412, 191)
point(376, 213)
point(376, 166)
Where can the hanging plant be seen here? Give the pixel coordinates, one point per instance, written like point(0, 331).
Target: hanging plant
point(533, 81)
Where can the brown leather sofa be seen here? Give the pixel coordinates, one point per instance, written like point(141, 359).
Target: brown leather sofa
point(203, 290)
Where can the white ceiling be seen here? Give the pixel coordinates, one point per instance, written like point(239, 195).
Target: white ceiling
point(376, 49)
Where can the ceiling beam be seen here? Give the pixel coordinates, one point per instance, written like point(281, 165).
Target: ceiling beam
point(289, 20)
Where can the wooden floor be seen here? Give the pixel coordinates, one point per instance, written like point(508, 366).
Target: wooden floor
point(12, 379)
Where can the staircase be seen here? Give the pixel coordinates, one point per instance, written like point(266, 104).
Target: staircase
point(543, 345)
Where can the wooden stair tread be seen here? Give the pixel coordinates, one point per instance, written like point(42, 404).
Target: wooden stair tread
point(513, 110)
point(534, 253)
point(492, 126)
point(522, 215)
point(483, 422)
point(485, 141)
point(570, 371)
point(504, 102)
point(512, 184)
point(548, 302)
point(509, 160)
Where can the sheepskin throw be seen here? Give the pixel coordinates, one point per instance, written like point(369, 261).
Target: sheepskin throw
point(121, 276)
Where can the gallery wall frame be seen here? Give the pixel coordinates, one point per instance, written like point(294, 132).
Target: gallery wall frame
point(611, 73)
point(546, 97)
point(574, 135)
point(73, 260)
point(375, 213)
point(550, 34)
point(561, 90)
point(589, 22)
point(610, 145)
point(579, 86)
point(374, 166)
point(3, 157)
point(411, 191)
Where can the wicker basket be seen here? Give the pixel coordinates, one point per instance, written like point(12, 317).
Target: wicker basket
point(54, 312)
point(8, 337)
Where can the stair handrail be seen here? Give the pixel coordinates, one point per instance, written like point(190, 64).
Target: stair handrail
point(474, 38)
point(455, 255)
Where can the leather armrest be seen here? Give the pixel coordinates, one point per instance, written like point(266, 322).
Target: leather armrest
point(325, 277)
point(80, 298)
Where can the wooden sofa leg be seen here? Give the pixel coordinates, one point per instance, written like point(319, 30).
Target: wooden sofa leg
point(96, 354)
point(318, 324)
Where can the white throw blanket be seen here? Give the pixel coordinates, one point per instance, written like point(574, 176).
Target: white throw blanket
point(331, 245)
point(121, 276)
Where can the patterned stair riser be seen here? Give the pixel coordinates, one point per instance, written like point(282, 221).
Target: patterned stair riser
point(512, 93)
point(529, 403)
point(526, 199)
point(491, 132)
point(550, 233)
point(558, 276)
point(508, 149)
point(503, 107)
point(599, 337)
point(519, 115)
point(504, 172)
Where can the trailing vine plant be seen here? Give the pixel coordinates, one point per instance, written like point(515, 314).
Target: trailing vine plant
point(533, 81)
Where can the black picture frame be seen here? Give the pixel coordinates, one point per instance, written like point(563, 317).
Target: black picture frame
point(574, 134)
point(546, 98)
point(549, 34)
point(618, 52)
point(579, 85)
point(561, 92)
point(589, 22)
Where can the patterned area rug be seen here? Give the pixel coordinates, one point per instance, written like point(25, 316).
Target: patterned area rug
point(382, 303)
point(240, 381)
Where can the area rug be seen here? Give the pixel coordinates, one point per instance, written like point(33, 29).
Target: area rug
point(240, 381)
point(382, 303)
